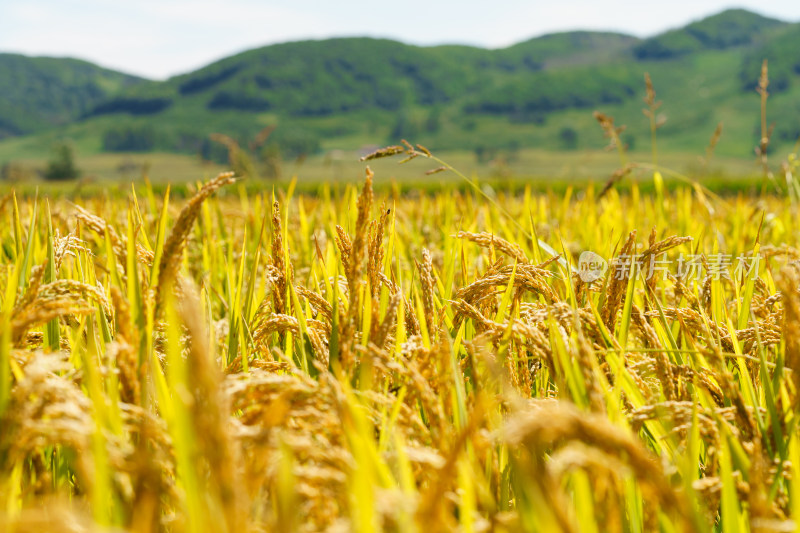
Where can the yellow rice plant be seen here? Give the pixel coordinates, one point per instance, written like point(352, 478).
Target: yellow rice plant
point(358, 360)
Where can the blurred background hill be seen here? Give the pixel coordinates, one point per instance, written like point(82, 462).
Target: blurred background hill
point(321, 103)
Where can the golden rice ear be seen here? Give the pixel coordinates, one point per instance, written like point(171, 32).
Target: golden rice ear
point(548, 423)
point(617, 280)
point(354, 270)
point(176, 241)
point(426, 279)
point(789, 284)
point(382, 332)
point(488, 240)
point(211, 415)
point(278, 261)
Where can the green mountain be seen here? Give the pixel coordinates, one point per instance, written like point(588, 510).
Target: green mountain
point(324, 78)
point(39, 93)
point(350, 92)
point(731, 28)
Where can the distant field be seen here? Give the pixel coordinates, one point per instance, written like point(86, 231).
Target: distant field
point(539, 166)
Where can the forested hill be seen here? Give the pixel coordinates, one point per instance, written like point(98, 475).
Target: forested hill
point(38, 93)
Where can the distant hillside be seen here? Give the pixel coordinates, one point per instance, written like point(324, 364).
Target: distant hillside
point(321, 89)
point(570, 48)
point(319, 78)
point(349, 92)
point(40, 93)
point(734, 27)
point(783, 54)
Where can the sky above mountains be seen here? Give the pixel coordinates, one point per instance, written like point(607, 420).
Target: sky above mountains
point(161, 38)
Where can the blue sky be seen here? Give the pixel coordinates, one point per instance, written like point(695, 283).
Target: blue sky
point(160, 38)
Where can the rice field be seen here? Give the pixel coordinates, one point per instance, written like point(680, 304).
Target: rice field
point(365, 360)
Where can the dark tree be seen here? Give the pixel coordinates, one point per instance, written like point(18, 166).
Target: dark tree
point(568, 138)
point(61, 166)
